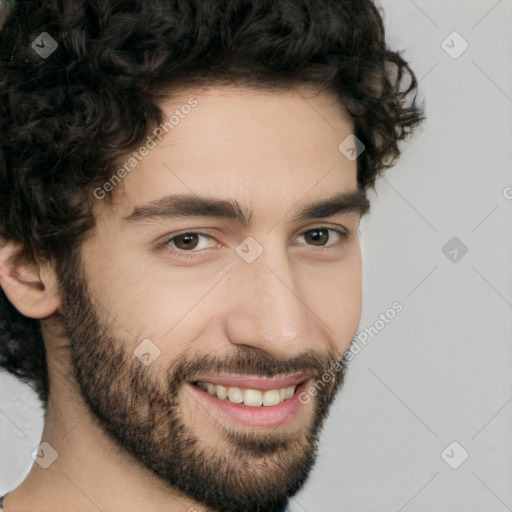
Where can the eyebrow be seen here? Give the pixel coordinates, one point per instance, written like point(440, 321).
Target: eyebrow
point(188, 205)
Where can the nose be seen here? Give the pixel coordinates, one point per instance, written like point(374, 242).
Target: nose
point(268, 306)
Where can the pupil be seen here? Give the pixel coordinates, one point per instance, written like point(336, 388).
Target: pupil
point(187, 238)
point(319, 235)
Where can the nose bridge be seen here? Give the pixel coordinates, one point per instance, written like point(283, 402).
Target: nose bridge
point(280, 309)
point(267, 309)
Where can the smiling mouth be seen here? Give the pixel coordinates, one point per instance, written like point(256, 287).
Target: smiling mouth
point(252, 391)
point(253, 401)
point(248, 396)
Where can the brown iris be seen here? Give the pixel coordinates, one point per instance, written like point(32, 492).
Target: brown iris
point(317, 235)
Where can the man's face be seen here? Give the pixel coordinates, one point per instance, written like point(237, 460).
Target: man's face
point(263, 313)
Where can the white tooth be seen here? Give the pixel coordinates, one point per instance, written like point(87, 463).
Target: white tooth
point(271, 397)
point(210, 388)
point(235, 395)
point(222, 391)
point(288, 392)
point(252, 397)
point(281, 394)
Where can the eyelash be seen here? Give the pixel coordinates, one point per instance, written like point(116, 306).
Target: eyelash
point(194, 254)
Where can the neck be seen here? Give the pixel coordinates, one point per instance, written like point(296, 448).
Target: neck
point(90, 472)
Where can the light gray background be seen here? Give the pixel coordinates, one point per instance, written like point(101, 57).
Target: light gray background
point(440, 371)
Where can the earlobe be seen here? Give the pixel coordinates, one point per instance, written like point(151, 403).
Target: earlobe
point(30, 286)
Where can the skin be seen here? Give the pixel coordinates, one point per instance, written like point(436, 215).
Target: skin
point(294, 308)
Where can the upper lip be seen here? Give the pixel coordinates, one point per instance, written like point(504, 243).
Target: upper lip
point(254, 382)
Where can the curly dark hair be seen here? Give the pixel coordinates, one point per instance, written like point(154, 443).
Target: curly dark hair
point(66, 120)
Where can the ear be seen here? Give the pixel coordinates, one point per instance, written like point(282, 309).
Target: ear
point(30, 286)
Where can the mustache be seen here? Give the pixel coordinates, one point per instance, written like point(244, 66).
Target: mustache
point(254, 362)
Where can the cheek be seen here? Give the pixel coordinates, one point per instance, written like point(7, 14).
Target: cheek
point(170, 309)
point(139, 303)
point(341, 301)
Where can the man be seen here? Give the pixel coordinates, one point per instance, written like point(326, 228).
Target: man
point(181, 187)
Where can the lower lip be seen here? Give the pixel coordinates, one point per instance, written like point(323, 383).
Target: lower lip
point(264, 416)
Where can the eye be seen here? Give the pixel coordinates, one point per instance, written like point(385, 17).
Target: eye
point(187, 242)
point(193, 244)
point(321, 236)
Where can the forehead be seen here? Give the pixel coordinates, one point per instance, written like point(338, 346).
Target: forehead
point(257, 146)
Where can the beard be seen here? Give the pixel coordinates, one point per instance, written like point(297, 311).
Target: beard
point(247, 470)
